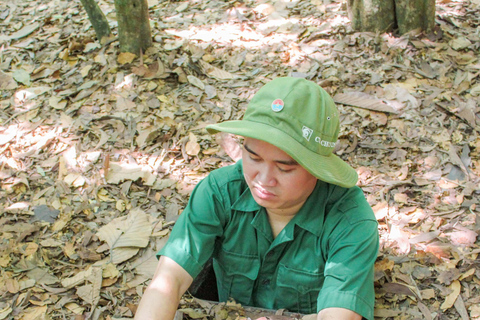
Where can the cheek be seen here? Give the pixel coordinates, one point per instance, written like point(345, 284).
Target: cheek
point(247, 169)
point(303, 184)
point(249, 166)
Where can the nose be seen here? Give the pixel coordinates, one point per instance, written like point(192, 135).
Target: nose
point(266, 176)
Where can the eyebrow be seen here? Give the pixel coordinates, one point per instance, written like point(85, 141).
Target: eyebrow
point(285, 162)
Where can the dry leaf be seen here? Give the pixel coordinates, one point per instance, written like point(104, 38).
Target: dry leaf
point(12, 285)
point(196, 82)
point(425, 311)
point(379, 118)
point(147, 263)
point(460, 43)
point(463, 237)
point(461, 309)
point(182, 7)
point(121, 171)
point(475, 311)
point(110, 271)
point(7, 82)
point(19, 207)
point(140, 70)
point(75, 308)
point(425, 237)
point(42, 276)
point(85, 70)
point(125, 235)
point(89, 101)
point(363, 100)
point(90, 293)
point(57, 103)
point(22, 76)
point(30, 93)
point(194, 314)
point(75, 180)
point(214, 72)
point(192, 148)
point(172, 45)
point(25, 31)
point(450, 299)
point(5, 312)
point(35, 313)
point(401, 198)
point(126, 57)
point(467, 274)
point(384, 264)
point(77, 279)
point(400, 238)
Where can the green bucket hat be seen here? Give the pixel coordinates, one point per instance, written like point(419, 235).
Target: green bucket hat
point(300, 118)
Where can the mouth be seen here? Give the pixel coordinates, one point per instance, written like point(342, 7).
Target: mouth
point(262, 193)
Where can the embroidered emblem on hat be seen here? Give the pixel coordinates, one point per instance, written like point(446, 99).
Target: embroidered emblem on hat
point(307, 133)
point(277, 105)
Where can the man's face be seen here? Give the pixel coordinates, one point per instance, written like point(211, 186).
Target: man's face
point(277, 182)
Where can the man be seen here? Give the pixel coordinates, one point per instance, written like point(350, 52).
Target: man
point(286, 226)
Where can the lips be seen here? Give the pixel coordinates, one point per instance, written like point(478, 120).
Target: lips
point(263, 194)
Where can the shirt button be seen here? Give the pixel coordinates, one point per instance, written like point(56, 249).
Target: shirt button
point(266, 282)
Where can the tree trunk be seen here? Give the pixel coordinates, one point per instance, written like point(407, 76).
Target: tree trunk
point(415, 14)
point(98, 20)
point(372, 15)
point(388, 15)
point(133, 25)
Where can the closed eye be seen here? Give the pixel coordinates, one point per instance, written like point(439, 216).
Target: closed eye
point(253, 158)
point(285, 169)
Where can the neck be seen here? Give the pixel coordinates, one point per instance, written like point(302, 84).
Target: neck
point(279, 218)
point(285, 214)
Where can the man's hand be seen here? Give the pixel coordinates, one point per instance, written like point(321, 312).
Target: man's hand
point(275, 317)
point(161, 298)
point(338, 314)
point(325, 314)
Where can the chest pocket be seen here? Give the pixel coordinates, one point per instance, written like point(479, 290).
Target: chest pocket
point(297, 290)
point(236, 274)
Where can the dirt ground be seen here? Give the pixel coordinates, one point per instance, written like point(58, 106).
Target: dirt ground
point(100, 150)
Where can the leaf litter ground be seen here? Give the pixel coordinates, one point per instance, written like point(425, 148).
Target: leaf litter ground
point(100, 150)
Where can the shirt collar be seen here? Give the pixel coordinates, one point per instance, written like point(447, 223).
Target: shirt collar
point(311, 215)
point(246, 202)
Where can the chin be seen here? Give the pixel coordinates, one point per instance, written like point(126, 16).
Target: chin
point(263, 202)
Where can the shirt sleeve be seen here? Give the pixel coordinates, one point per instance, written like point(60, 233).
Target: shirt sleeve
point(349, 270)
point(192, 240)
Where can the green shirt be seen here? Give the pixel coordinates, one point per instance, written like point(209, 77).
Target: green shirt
point(323, 258)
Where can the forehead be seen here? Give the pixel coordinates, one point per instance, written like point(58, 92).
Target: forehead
point(266, 149)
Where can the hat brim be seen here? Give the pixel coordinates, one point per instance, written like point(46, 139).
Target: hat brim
point(329, 168)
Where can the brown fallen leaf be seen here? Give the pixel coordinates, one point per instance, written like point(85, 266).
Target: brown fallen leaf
point(126, 57)
point(384, 264)
point(462, 237)
point(460, 307)
point(452, 297)
point(126, 235)
point(23, 32)
point(397, 288)
point(12, 285)
point(363, 100)
point(192, 148)
point(35, 313)
point(425, 311)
